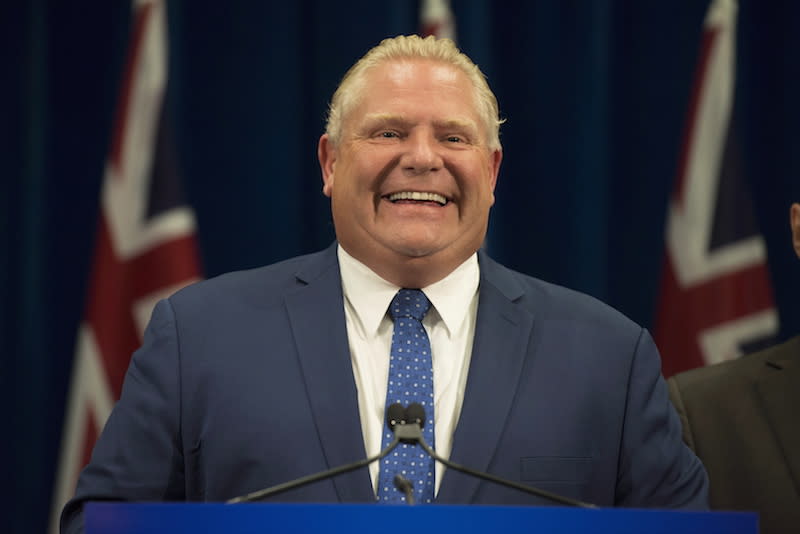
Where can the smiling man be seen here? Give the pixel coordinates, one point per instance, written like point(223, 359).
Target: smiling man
point(411, 169)
point(259, 377)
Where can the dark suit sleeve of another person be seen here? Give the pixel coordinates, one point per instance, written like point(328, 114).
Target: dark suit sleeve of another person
point(139, 455)
point(741, 418)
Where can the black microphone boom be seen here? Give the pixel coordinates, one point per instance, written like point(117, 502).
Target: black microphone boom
point(415, 434)
point(395, 415)
point(407, 425)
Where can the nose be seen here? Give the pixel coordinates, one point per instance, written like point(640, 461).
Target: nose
point(422, 153)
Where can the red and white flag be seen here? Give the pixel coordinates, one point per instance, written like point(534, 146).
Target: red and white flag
point(716, 297)
point(145, 246)
point(436, 18)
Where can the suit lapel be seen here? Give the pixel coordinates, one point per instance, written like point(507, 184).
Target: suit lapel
point(780, 395)
point(316, 315)
point(502, 334)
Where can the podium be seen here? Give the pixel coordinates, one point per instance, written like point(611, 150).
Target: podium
point(168, 518)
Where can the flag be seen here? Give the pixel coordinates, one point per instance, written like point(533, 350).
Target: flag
point(715, 298)
point(437, 19)
point(145, 246)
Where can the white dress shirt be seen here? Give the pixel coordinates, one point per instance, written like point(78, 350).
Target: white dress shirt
point(450, 324)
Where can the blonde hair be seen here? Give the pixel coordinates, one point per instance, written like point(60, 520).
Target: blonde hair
point(411, 47)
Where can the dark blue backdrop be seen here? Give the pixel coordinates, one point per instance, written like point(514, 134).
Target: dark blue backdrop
point(595, 93)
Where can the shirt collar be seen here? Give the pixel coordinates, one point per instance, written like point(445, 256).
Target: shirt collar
point(370, 295)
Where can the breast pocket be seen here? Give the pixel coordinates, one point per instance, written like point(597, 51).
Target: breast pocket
point(556, 470)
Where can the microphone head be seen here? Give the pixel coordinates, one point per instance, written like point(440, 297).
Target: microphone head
point(395, 414)
point(402, 483)
point(415, 413)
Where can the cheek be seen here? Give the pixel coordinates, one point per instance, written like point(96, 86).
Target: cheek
point(346, 198)
point(483, 192)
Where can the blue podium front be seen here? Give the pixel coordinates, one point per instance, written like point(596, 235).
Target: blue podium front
point(192, 518)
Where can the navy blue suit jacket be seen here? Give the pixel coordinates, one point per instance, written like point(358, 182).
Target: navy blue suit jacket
point(245, 381)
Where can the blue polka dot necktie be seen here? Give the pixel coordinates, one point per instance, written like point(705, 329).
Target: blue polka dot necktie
point(410, 380)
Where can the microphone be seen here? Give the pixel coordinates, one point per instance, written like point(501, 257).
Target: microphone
point(395, 414)
point(396, 418)
point(404, 485)
point(415, 414)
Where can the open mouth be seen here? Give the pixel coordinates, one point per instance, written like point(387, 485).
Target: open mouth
point(417, 196)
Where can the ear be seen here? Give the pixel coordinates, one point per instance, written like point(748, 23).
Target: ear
point(495, 158)
point(326, 153)
point(794, 216)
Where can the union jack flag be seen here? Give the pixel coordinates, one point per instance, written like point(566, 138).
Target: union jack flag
point(716, 298)
point(145, 246)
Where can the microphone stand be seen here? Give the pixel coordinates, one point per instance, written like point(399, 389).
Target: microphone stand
point(395, 418)
point(502, 481)
point(407, 429)
point(404, 485)
point(413, 432)
point(280, 488)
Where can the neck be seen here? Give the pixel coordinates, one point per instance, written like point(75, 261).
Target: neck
point(412, 272)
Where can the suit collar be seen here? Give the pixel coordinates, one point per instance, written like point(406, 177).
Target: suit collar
point(500, 278)
point(316, 315)
point(318, 265)
point(779, 389)
point(502, 334)
point(784, 356)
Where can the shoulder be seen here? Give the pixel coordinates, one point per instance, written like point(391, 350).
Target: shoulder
point(733, 375)
point(551, 302)
point(262, 286)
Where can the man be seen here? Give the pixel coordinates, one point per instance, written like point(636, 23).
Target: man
point(260, 377)
point(741, 418)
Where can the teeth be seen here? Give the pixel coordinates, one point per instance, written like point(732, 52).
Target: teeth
point(418, 195)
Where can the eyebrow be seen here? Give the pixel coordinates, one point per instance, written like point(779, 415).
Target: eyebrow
point(386, 118)
point(390, 118)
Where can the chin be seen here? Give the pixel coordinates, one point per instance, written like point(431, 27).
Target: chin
point(415, 250)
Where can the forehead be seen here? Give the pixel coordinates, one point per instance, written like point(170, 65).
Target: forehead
point(417, 75)
point(406, 70)
point(415, 86)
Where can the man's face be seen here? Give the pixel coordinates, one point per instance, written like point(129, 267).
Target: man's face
point(411, 177)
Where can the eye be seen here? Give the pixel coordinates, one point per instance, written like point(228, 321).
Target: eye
point(454, 139)
point(387, 134)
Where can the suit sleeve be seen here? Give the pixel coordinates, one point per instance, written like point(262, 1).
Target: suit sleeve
point(677, 401)
point(138, 456)
point(656, 468)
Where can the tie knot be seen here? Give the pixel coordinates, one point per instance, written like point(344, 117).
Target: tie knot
point(409, 303)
